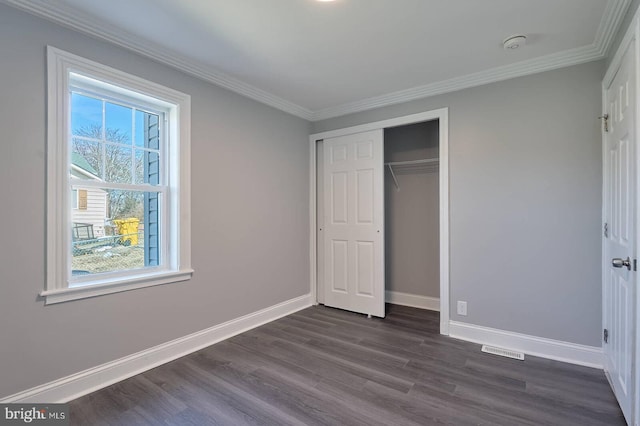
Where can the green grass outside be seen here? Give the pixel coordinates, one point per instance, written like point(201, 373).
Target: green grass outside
point(99, 258)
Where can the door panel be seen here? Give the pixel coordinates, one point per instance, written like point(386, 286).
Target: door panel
point(338, 200)
point(364, 151)
point(364, 188)
point(620, 202)
point(365, 268)
point(338, 264)
point(338, 154)
point(354, 223)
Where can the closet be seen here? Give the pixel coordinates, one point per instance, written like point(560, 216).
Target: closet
point(412, 251)
point(378, 204)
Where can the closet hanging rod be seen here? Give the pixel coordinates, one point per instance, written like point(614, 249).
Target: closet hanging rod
point(409, 162)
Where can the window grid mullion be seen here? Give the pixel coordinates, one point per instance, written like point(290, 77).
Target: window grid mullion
point(133, 127)
point(104, 147)
point(88, 139)
point(82, 183)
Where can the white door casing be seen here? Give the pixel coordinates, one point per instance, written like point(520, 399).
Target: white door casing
point(320, 218)
point(620, 235)
point(442, 115)
point(354, 222)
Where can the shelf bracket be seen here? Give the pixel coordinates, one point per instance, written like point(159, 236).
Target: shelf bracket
point(393, 175)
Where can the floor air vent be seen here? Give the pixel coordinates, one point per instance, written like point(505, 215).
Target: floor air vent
point(503, 352)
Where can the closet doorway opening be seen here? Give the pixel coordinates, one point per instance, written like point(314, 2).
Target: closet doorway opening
point(411, 210)
point(405, 180)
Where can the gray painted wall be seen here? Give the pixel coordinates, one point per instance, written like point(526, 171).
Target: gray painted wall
point(250, 230)
point(411, 214)
point(525, 206)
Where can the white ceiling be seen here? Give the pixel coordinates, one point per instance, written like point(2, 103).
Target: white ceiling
point(319, 59)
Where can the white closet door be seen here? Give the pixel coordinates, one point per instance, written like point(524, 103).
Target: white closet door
point(354, 223)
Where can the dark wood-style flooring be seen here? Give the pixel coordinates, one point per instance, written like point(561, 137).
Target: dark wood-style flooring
point(326, 366)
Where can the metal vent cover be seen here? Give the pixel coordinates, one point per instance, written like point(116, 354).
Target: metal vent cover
point(503, 352)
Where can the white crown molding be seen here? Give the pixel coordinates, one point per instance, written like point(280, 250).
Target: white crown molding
point(87, 381)
point(609, 24)
point(573, 353)
point(71, 18)
point(533, 66)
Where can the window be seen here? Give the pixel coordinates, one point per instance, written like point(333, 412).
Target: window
point(74, 199)
point(118, 181)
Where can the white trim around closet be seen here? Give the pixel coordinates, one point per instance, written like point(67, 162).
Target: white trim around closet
point(412, 300)
point(442, 115)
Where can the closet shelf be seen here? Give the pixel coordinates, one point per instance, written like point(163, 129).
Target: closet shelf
point(410, 164)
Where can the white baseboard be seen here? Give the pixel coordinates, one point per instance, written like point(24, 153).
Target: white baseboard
point(84, 382)
point(412, 300)
point(589, 356)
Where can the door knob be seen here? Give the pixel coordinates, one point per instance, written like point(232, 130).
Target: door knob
point(619, 263)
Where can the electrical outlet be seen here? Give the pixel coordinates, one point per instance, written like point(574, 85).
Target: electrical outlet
point(462, 308)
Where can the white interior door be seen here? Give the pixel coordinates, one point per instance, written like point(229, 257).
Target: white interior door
point(620, 233)
point(354, 223)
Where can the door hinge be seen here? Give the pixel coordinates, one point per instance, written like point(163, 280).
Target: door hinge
point(605, 122)
point(605, 335)
point(635, 265)
point(606, 230)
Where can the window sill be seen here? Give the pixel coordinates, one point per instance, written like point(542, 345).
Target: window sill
point(114, 286)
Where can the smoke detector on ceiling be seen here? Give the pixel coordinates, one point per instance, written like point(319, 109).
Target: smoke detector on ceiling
point(514, 42)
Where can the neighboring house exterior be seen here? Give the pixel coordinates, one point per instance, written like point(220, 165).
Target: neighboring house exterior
point(89, 204)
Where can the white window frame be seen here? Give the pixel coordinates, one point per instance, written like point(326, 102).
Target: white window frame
point(74, 206)
point(176, 241)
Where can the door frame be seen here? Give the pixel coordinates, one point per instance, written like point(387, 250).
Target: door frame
point(442, 115)
point(632, 33)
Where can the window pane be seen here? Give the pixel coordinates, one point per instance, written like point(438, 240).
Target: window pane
point(86, 159)
point(147, 167)
point(139, 167)
point(139, 142)
point(118, 164)
point(118, 123)
point(74, 199)
point(118, 231)
point(151, 131)
point(86, 116)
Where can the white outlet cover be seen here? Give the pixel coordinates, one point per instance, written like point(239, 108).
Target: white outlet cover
point(462, 308)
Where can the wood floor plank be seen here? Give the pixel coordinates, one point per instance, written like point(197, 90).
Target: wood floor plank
point(324, 366)
point(358, 373)
point(193, 389)
point(484, 412)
